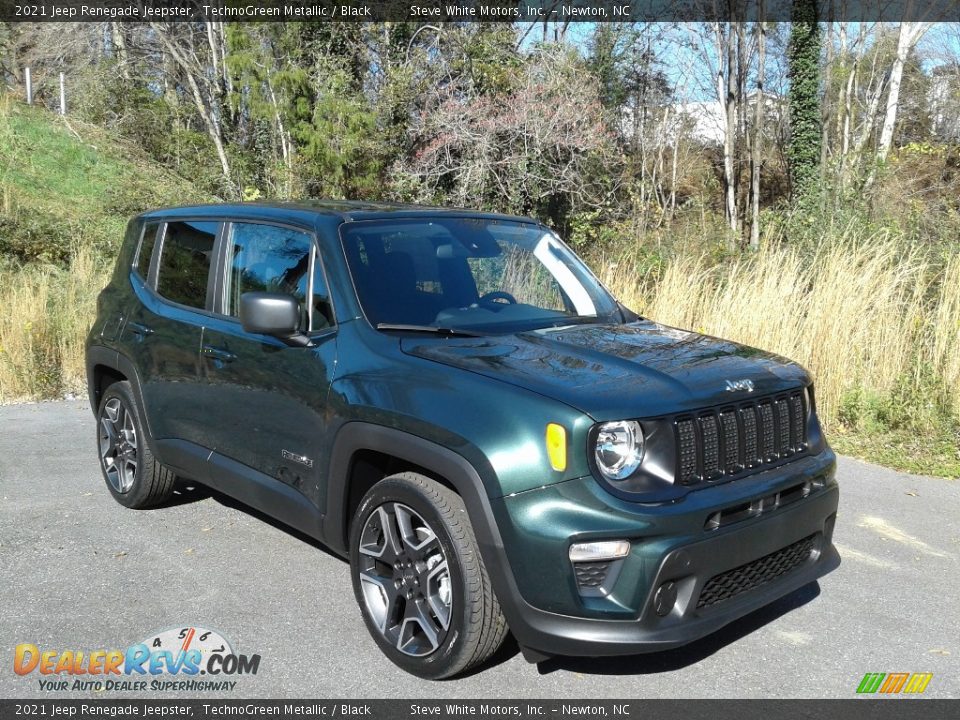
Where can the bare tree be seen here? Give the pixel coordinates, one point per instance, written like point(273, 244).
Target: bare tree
point(758, 123)
point(51, 48)
point(206, 90)
point(514, 151)
point(729, 54)
point(848, 61)
point(119, 42)
point(908, 36)
point(876, 84)
point(727, 91)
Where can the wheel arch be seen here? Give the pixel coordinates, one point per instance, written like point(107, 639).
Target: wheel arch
point(365, 453)
point(103, 377)
point(438, 462)
point(105, 366)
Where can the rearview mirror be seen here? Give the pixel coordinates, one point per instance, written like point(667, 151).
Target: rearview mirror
point(274, 314)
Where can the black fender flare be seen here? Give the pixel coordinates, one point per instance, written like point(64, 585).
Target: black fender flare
point(118, 362)
point(355, 436)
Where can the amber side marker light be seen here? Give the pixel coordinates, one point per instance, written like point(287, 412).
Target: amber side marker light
point(557, 446)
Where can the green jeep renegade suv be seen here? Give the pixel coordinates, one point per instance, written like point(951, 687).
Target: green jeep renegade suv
point(451, 400)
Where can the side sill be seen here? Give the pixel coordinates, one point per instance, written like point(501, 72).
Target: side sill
point(249, 486)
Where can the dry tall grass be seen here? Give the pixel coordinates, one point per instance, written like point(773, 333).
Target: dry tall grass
point(945, 342)
point(861, 314)
point(46, 315)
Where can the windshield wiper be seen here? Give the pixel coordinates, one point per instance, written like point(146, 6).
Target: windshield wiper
point(449, 332)
point(576, 320)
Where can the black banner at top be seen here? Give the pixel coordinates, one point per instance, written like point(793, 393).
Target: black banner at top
point(441, 11)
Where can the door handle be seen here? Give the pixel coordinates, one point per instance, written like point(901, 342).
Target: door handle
point(140, 329)
point(218, 354)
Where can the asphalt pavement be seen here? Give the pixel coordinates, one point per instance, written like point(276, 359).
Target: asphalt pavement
point(80, 572)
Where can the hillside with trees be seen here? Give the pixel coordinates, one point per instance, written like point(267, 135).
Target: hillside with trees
point(794, 186)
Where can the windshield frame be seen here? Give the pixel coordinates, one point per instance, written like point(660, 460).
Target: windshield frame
point(615, 314)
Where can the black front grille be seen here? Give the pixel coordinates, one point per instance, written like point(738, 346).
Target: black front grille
point(747, 577)
point(591, 574)
point(731, 440)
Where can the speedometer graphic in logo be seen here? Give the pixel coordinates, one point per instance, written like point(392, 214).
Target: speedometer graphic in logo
point(184, 639)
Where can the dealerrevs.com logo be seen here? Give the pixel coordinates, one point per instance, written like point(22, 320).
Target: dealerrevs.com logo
point(171, 660)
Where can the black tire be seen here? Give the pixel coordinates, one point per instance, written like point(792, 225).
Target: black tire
point(476, 627)
point(133, 475)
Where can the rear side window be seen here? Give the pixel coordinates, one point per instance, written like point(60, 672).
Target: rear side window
point(185, 262)
point(149, 239)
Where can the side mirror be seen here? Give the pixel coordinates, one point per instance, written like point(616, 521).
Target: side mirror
point(274, 314)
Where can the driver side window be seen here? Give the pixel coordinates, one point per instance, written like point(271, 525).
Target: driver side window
point(270, 258)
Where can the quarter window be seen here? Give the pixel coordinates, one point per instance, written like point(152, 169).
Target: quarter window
point(269, 258)
point(185, 262)
point(146, 249)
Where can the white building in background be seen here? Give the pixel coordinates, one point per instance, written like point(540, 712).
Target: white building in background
point(703, 122)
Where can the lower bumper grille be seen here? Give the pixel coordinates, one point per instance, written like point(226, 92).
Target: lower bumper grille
point(752, 575)
point(591, 574)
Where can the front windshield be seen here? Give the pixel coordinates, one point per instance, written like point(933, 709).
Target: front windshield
point(470, 273)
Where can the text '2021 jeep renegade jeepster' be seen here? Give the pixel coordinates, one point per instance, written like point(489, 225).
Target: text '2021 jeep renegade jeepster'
point(452, 401)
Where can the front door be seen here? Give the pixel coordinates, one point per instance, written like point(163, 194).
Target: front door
point(266, 400)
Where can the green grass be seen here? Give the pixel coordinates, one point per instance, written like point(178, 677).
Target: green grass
point(66, 193)
point(67, 186)
point(931, 453)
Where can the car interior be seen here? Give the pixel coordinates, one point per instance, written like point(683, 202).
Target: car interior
point(424, 275)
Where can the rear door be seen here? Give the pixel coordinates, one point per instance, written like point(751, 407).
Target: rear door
point(163, 332)
point(266, 401)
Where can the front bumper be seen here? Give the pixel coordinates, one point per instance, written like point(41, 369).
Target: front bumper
point(771, 549)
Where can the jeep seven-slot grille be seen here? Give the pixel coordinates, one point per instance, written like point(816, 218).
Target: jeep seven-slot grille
point(742, 579)
point(742, 437)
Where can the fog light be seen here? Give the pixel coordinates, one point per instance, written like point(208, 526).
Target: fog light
point(600, 550)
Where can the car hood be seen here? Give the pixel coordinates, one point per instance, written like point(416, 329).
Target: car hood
point(641, 369)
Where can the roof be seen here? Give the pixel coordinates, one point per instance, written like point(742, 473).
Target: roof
point(346, 210)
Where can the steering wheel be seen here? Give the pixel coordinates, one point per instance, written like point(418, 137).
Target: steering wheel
point(492, 297)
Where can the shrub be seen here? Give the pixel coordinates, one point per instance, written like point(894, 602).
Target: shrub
point(35, 237)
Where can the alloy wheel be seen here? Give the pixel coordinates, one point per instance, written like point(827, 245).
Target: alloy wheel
point(405, 579)
point(118, 445)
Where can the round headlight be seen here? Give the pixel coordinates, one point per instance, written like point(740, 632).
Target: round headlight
point(619, 449)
